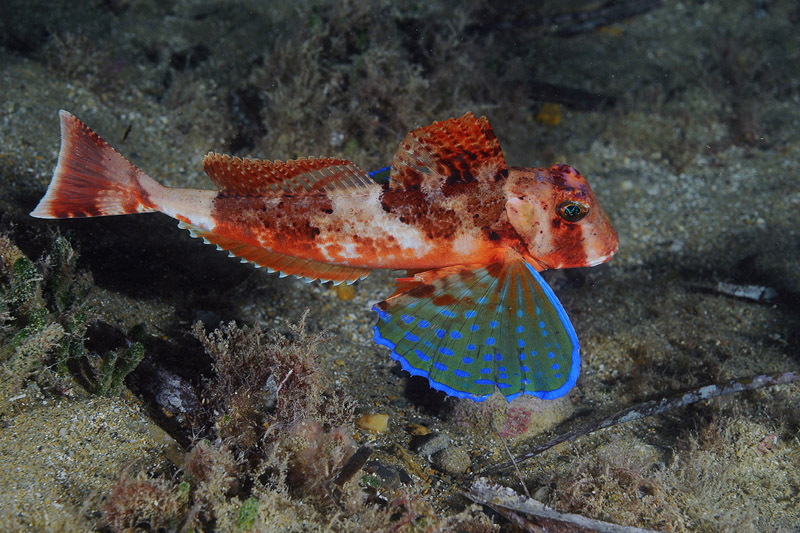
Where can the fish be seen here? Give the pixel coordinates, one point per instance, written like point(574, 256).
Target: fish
point(473, 314)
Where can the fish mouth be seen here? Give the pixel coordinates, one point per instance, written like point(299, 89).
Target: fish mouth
point(607, 246)
point(602, 259)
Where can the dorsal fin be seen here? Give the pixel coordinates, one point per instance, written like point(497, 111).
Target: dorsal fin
point(250, 177)
point(457, 150)
point(305, 269)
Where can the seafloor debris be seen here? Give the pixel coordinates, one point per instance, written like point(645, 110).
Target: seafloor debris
point(376, 422)
point(757, 293)
point(655, 407)
point(512, 505)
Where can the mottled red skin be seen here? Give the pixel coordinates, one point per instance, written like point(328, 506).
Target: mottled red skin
point(280, 223)
point(451, 200)
point(299, 224)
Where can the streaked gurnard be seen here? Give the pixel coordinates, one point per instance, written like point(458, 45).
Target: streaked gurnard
point(473, 314)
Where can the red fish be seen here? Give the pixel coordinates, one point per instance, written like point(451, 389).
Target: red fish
point(474, 317)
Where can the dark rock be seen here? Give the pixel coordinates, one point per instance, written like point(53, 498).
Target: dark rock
point(391, 476)
point(427, 445)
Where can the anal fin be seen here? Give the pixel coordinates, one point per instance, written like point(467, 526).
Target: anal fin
point(286, 265)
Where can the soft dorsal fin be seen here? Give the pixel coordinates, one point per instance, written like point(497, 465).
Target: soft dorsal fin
point(457, 150)
point(249, 177)
point(305, 269)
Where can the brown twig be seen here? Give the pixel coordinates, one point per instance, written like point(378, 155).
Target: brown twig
point(651, 408)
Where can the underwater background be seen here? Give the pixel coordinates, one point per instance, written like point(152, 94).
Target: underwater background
point(130, 400)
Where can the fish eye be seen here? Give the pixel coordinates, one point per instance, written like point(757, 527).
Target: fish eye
point(572, 211)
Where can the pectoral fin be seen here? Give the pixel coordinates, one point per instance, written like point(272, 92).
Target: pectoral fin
point(473, 330)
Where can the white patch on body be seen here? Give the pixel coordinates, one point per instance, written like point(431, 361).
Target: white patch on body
point(322, 246)
point(363, 215)
point(466, 244)
point(348, 250)
point(532, 223)
point(195, 205)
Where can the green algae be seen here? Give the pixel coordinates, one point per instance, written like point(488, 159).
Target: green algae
point(44, 303)
point(46, 318)
point(113, 368)
point(247, 514)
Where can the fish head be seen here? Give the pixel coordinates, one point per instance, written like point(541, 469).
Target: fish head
point(557, 217)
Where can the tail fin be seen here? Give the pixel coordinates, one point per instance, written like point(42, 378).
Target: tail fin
point(92, 179)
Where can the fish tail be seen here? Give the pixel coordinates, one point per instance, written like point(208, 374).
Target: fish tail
point(93, 179)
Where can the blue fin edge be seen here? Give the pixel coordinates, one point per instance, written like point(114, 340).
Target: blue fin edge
point(544, 395)
point(575, 369)
point(379, 171)
point(416, 371)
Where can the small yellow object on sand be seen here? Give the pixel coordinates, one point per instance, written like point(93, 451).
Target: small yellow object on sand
point(375, 422)
point(549, 114)
point(418, 430)
point(345, 292)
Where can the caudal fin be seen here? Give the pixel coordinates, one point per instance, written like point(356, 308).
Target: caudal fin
point(92, 179)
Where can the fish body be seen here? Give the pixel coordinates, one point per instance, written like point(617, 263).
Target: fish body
point(473, 232)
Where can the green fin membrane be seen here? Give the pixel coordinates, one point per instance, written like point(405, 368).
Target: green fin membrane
point(472, 331)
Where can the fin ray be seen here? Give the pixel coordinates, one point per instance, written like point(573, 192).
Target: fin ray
point(474, 329)
point(457, 150)
point(285, 265)
point(250, 177)
point(93, 179)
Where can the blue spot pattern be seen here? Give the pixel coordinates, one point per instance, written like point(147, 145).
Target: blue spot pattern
point(507, 312)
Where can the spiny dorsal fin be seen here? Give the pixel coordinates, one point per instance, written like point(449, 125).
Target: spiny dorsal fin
point(251, 177)
point(285, 265)
point(457, 150)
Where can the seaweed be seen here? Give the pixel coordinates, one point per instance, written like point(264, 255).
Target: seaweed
point(145, 503)
point(620, 483)
point(269, 405)
point(274, 450)
point(264, 383)
point(113, 368)
point(730, 456)
point(270, 428)
point(44, 315)
point(247, 514)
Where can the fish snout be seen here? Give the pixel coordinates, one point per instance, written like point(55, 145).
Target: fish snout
point(604, 243)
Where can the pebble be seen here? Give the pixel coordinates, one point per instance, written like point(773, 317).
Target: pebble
point(375, 422)
point(453, 460)
point(430, 444)
point(345, 292)
point(391, 476)
point(418, 430)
